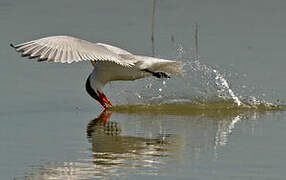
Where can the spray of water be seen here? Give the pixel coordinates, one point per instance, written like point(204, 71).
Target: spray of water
point(221, 85)
point(201, 83)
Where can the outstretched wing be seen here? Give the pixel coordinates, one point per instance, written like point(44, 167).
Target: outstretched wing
point(66, 49)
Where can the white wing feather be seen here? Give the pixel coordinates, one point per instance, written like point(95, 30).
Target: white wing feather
point(66, 49)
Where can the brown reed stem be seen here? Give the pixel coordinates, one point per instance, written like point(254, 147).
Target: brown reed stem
point(153, 26)
point(196, 41)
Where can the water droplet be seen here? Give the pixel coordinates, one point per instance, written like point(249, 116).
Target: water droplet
point(149, 85)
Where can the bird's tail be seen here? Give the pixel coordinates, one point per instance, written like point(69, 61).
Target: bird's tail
point(162, 65)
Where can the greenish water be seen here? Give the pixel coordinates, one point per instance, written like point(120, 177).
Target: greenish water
point(224, 119)
point(211, 109)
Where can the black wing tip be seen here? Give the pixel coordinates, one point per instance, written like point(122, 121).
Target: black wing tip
point(41, 59)
point(12, 45)
point(157, 74)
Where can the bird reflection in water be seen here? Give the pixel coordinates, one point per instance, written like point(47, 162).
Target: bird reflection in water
point(110, 147)
point(117, 151)
point(113, 154)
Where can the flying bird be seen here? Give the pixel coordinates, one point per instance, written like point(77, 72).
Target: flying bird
point(110, 63)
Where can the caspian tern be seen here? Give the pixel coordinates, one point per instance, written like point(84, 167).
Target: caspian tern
point(110, 63)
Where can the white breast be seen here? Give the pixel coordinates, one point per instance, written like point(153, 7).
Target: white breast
point(107, 71)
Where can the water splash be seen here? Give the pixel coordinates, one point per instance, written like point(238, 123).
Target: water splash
point(201, 83)
point(222, 86)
